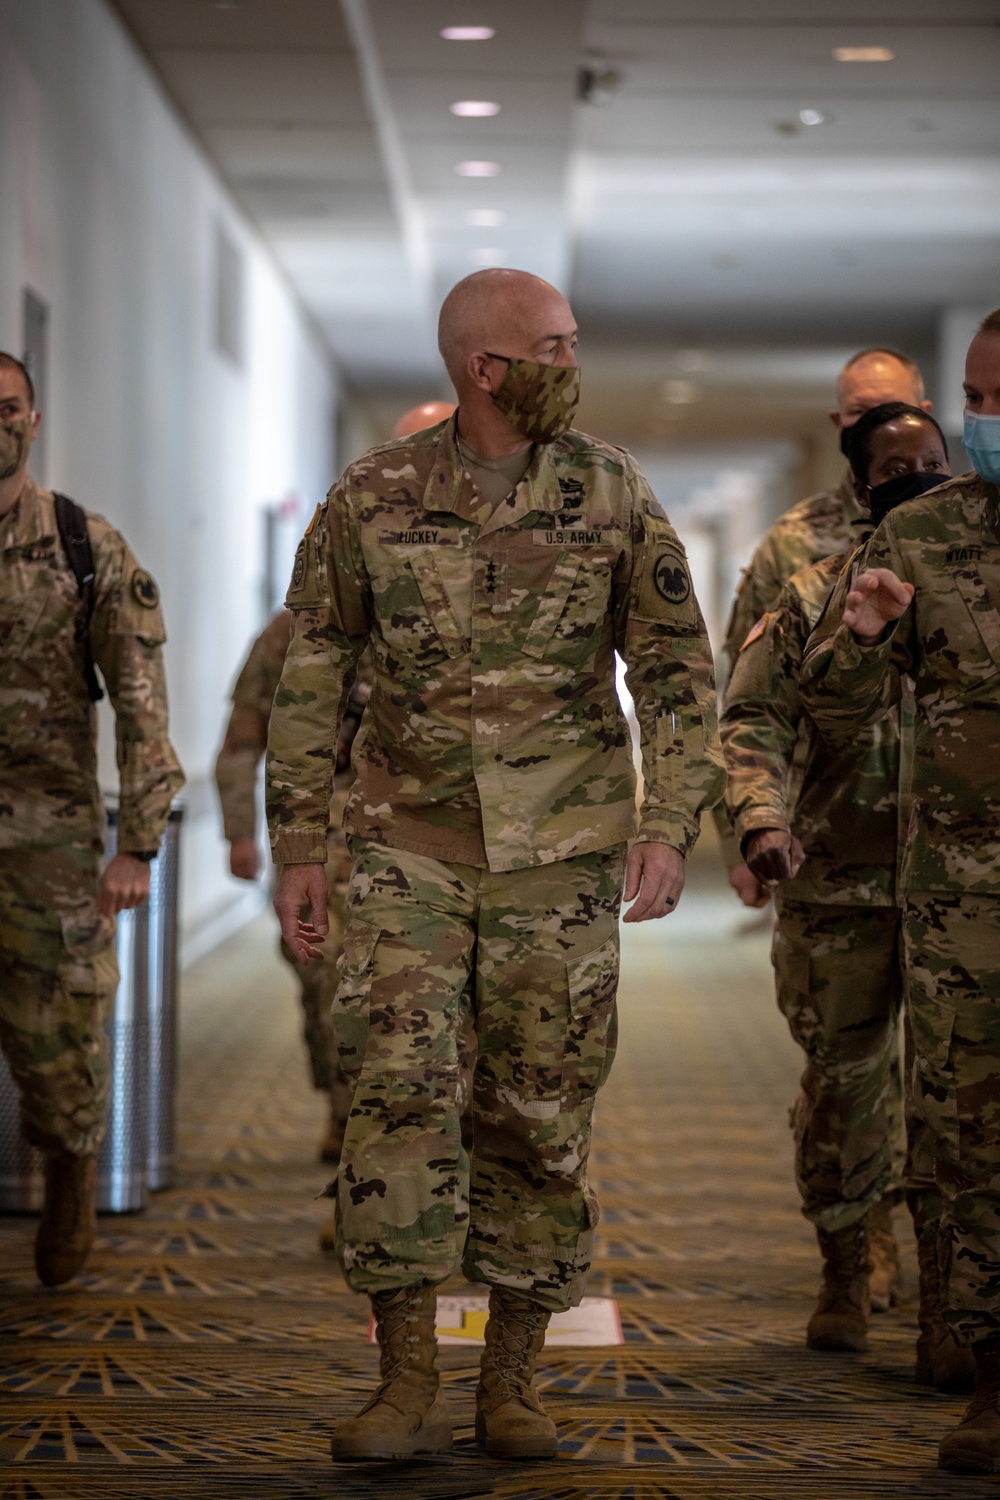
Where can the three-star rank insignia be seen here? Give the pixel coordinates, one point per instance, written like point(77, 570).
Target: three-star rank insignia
point(671, 578)
point(144, 590)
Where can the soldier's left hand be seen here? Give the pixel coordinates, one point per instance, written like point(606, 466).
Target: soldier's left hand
point(654, 873)
point(124, 885)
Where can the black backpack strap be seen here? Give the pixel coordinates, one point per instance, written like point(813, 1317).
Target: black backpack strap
point(75, 537)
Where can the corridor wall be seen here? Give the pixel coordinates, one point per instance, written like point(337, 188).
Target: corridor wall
point(187, 397)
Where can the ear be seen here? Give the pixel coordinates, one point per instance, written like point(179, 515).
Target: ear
point(927, 406)
point(861, 493)
point(835, 419)
point(36, 422)
point(480, 372)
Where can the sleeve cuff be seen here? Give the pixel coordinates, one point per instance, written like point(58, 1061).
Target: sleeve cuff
point(302, 846)
point(849, 654)
point(759, 820)
point(679, 833)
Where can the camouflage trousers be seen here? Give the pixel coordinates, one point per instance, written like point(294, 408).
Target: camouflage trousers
point(525, 964)
point(952, 949)
point(58, 977)
point(838, 974)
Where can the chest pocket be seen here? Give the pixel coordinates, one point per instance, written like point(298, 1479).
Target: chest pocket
point(574, 606)
point(414, 611)
point(27, 595)
point(982, 601)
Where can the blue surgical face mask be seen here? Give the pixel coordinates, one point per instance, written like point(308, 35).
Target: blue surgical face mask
point(982, 444)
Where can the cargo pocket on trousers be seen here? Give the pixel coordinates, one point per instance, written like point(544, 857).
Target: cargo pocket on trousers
point(934, 1082)
point(351, 1009)
point(592, 1030)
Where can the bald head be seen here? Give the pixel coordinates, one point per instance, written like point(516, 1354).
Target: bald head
point(876, 377)
point(504, 312)
point(428, 414)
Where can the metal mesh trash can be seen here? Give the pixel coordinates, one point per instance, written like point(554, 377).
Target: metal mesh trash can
point(164, 880)
point(121, 1161)
point(20, 1164)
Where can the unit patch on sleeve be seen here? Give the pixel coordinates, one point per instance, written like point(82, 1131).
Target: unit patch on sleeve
point(671, 578)
point(144, 590)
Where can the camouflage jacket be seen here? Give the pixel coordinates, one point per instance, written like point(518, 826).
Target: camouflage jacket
point(947, 544)
point(49, 794)
point(840, 803)
point(246, 733)
point(818, 527)
point(494, 735)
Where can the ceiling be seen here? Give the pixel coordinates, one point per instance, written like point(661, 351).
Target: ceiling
point(710, 239)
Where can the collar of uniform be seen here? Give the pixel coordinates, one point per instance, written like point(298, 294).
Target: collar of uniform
point(28, 521)
point(449, 487)
point(853, 511)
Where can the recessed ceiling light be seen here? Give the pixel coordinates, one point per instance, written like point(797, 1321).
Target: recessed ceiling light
point(477, 168)
point(474, 109)
point(485, 218)
point(467, 33)
point(680, 392)
point(488, 257)
point(863, 54)
point(692, 359)
point(812, 117)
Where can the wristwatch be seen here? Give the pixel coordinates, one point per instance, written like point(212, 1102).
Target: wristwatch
point(146, 855)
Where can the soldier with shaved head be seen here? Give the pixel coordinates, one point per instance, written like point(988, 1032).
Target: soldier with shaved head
point(494, 565)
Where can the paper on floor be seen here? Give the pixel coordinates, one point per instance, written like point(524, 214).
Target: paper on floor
point(462, 1320)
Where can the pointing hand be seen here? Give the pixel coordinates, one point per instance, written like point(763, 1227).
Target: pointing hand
point(877, 598)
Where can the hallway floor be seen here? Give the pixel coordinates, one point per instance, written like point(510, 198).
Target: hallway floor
point(210, 1346)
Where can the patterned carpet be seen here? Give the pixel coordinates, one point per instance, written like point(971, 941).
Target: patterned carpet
point(209, 1347)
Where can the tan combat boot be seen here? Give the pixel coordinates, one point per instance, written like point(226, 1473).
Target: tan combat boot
point(940, 1361)
point(510, 1419)
point(328, 1236)
point(333, 1141)
point(885, 1280)
point(974, 1446)
point(407, 1414)
point(69, 1217)
point(843, 1310)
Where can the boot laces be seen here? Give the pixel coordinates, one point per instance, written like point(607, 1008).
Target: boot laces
point(397, 1338)
point(512, 1351)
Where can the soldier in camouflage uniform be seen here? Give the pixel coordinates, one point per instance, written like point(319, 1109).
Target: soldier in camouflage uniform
point(924, 601)
point(821, 823)
point(494, 564)
point(819, 526)
point(236, 778)
point(58, 973)
point(824, 525)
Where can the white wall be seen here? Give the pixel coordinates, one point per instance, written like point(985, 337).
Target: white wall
point(109, 211)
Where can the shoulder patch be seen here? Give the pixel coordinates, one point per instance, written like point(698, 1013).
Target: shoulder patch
point(755, 632)
point(671, 578)
point(665, 594)
point(144, 590)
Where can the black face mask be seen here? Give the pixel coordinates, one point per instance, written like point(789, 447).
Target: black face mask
point(885, 497)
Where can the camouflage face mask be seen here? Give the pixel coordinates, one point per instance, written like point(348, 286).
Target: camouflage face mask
point(539, 400)
point(15, 444)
